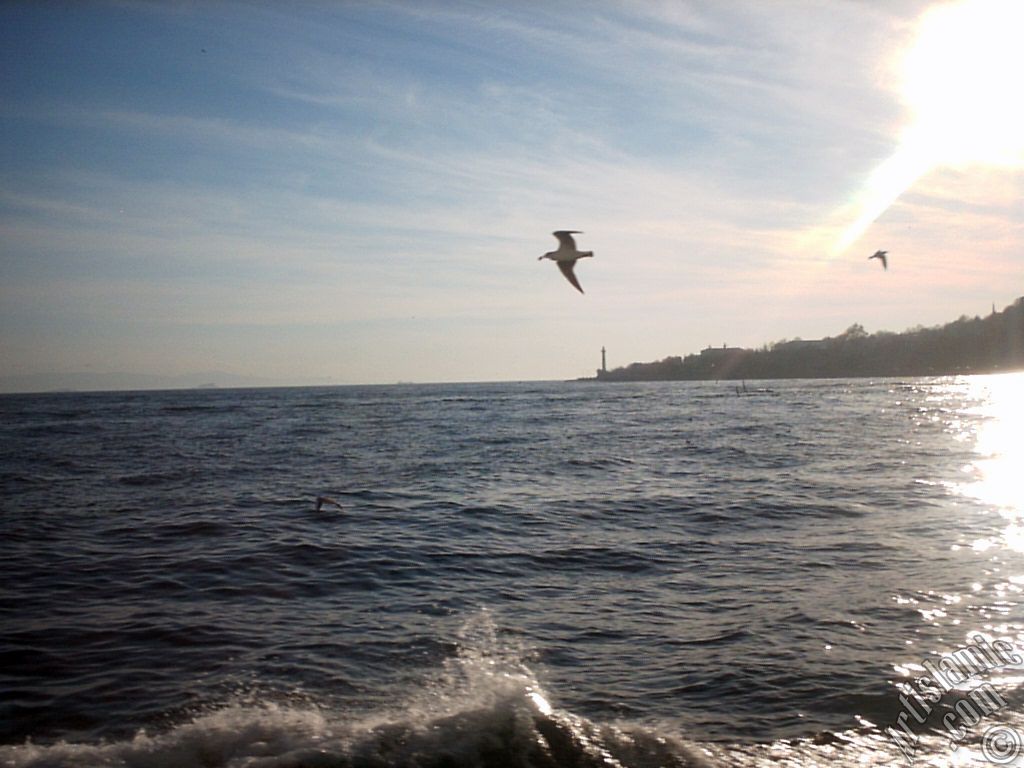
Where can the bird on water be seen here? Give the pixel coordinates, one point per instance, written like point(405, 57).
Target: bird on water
point(881, 256)
point(321, 500)
point(566, 255)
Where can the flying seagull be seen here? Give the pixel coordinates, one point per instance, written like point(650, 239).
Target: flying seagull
point(880, 255)
point(321, 500)
point(567, 254)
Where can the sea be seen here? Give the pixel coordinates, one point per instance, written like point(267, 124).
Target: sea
point(760, 573)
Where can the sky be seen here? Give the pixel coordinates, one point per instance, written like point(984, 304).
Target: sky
point(350, 192)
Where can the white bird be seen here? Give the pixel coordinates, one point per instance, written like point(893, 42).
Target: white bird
point(880, 255)
point(321, 500)
point(566, 255)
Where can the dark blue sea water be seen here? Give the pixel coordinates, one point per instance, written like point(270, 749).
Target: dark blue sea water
point(556, 574)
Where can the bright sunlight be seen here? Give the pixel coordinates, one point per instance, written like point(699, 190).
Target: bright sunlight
point(961, 81)
point(999, 443)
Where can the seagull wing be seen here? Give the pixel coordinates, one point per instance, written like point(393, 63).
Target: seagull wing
point(565, 238)
point(566, 267)
point(885, 261)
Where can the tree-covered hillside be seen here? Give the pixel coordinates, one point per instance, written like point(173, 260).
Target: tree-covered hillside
point(968, 345)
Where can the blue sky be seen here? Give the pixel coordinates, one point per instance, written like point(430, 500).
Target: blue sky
point(354, 192)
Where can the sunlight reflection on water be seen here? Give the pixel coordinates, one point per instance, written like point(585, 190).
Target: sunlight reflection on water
point(999, 446)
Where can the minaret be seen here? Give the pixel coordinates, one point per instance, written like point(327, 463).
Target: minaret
point(604, 366)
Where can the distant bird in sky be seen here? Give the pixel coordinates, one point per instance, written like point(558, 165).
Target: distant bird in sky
point(321, 500)
point(880, 255)
point(566, 255)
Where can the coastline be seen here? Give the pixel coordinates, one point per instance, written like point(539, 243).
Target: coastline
point(994, 344)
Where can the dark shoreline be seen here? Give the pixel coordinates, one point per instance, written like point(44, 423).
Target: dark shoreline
point(994, 344)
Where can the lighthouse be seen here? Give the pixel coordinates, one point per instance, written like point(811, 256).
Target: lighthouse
point(604, 366)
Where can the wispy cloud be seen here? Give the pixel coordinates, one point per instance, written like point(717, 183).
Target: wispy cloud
point(377, 180)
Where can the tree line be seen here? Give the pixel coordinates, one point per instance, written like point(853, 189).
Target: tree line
point(968, 345)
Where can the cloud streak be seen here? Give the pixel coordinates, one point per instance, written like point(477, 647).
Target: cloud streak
point(378, 180)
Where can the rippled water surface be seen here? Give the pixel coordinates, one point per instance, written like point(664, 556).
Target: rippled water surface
point(523, 574)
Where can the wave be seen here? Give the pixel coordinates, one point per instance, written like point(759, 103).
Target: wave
point(484, 708)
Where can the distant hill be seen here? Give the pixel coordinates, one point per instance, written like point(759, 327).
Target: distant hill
point(968, 345)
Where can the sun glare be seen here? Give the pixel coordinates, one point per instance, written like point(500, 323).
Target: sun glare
point(961, 83)
point(999, 445)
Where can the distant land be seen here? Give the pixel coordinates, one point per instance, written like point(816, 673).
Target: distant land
point(85, 381)
point(968, 345)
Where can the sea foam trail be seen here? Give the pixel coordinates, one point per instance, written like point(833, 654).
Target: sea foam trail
point(484, 708)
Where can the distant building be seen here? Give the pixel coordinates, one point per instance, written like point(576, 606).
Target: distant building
point(714, 353)
point(801, 344)
point(603, 370)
